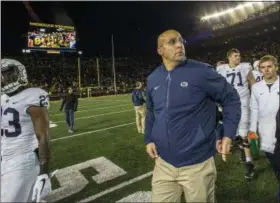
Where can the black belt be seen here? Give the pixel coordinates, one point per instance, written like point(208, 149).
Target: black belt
point(36, 151)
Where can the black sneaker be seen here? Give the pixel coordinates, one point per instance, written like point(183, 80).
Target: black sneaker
point(250, 172)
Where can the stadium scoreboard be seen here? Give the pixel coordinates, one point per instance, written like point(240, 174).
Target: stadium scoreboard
point(51, 38)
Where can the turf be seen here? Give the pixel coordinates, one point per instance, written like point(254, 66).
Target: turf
point(125, 147)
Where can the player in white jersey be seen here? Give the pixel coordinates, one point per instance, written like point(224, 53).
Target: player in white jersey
point(256, 72)
point(240, 76)
point(25, 145)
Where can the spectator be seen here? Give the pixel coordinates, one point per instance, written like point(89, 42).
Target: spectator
point(70, 104)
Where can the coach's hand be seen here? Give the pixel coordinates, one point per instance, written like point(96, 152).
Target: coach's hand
point(152, 150)
point(223, 147)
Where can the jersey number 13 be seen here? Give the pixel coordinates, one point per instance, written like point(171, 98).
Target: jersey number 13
point(14, 123)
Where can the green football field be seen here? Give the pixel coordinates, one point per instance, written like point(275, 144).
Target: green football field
point(105, 159)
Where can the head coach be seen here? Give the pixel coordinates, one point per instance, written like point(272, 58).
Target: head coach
point(180, 130)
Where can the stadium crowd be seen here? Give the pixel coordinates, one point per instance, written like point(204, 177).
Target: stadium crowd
point(55, 73)
point(171, 119)
point(263, 12)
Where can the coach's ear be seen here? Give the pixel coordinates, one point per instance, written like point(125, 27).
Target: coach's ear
point(160, 51)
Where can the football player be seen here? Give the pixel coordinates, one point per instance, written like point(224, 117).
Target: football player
point(256, 72)
point(25, 143)
point(241, 77)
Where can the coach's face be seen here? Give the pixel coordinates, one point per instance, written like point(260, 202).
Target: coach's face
point(268, 70)
point(171, 46)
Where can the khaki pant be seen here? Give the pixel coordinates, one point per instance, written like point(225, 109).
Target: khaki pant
point(140, 113)
point(196, 181)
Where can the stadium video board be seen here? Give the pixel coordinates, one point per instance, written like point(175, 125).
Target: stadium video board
point(51, 36)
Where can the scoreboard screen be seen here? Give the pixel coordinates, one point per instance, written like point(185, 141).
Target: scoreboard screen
point(51, 36)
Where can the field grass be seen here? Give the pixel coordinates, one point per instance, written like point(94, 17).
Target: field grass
point(104, 127)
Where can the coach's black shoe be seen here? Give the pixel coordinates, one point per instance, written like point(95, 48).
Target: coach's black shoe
point(250, 171)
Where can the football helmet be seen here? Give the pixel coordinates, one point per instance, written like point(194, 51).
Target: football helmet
point(13, 75)
point(256, 65)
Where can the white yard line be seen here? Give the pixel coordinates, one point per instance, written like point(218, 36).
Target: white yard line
point(93, 131)
point(92, 99)
point(93, 109)
point(98, 115)
point(82, 106)
point(117, 187)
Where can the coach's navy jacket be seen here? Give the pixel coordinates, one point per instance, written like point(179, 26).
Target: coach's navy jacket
point(181, 112)
point(137, 97)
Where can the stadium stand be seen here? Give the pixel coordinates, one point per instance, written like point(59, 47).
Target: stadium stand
point(254, 36)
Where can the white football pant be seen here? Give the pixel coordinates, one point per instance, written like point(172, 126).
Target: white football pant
point(18, 175)
point(243, 126)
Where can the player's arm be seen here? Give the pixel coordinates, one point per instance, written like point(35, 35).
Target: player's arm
point(254, 111)
point(251, 79)
point(40, 119)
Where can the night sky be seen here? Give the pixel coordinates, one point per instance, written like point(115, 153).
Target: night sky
point(135, 25)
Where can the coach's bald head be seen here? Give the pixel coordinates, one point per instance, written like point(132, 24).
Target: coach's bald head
point(170, 46)
point(165, 36)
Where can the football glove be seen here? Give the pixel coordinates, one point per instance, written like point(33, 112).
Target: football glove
point(42, 187)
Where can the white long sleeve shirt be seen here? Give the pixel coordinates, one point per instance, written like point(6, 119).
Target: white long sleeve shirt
point(264, 104)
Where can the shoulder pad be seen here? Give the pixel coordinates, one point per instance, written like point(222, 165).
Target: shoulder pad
point(247, 65)
point(220, 67)
point(4, 97)
point(37, 97)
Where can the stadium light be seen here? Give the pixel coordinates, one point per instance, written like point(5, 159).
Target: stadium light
point(241, 6)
